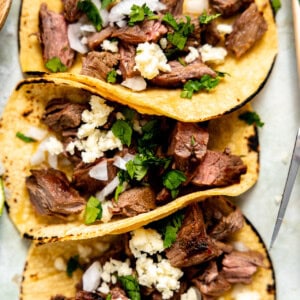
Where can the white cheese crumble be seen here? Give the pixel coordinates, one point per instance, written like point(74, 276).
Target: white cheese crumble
point(213, 54)
point(111, 46)
point(60, 264)
point(150, 59)
point(192, 55)
point(36, 133)
point(191, 294)
point(224, 28)
point(53, 145)
point(145, 240)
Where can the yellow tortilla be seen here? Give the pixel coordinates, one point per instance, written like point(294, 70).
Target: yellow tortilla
point(41, 279)
point(25, 108)
point(247, 75)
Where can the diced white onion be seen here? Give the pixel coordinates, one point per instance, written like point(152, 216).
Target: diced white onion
point(91, 277)
point(99, 171)
point(87, 28)
point(74, 36)
point(195, 6)
point(136, 83)
point(39, 156)
point(120, 162)
point(109, 188)
point(52, 160)
point(36, 133)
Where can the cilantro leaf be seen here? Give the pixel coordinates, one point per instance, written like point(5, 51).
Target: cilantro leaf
point(138, 14)
point(24, 138)
point(276, 5)
point(106, 3)
point(93, 211)
point(111, 76)
point(172, 180)
point(108, 297)
point(251, 117)
point(2, 196)
point(123, 131)
point(91, 11)
point(204, 18)
point(72, 265)
point(169, 19)
point(55, 65)
point(131, 286)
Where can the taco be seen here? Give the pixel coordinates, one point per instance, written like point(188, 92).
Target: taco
point(206, 249)
point(189, 62)
point(78, 166)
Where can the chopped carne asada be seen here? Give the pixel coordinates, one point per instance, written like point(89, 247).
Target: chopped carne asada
point(110, 161)
point(104, 35)
point(193, 261)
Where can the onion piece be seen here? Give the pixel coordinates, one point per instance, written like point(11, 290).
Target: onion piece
point(36, 133)
point(74, 36)
point(120, 162)
point(109, 188)
point(136, 83)
point(99, 171)
point(52, 160)
point(195, 7)
point(39, 156)
point(91, 277)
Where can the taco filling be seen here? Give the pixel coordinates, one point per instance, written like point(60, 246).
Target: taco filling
point(196, 253)
point(137, 44)
point(109, 161)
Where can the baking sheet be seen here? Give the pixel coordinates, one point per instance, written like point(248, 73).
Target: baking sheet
point(278, 105)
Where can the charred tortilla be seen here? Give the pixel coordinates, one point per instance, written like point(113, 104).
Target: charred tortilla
point(25, 109)
point(44, 274)
point(245, 76)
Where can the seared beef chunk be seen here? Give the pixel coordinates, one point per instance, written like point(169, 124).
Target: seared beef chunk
point(211, 283)
point(228, 8)
point(148, 31)
point(135, 201)
point(127, 60)
point(211, 34)
point(63, 115)
point(219, 169)
point(163, 196)
point(247, 30)
point(71, 11)
point(83, 295)
point(193, 245)
point(221, 217)
point(54, 36)
point(174, 7)
point(51, 194)
point(180, 74)
point(118, 294)
point(188, 145)
point(99, 64)
point(238, 267)
point(95, 39)
point(87, 184)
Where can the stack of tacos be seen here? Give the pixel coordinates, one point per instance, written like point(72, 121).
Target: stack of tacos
point(103, 174)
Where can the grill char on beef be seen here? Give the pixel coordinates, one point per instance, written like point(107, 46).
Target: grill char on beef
point(127, 60)
point(54, 36)
point(228, 8)
point(180, 74)
point(71, 11)
point(247, 30)
point(51, 194)
point(219, 169)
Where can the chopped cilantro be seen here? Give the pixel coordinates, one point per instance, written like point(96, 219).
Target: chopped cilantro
point(138, 14)
point(93, 211)
point(251, 117)
point(72, 265)
point(55, 65)
point(91, 11)
point(123, 131)
point(131, 286)
point(24, 138)
point(276, 5)
point(128, 113)
point(106, 3)
point(123, 177)
point(108, 297)
point(172, 180)
point(2, 196)
point(111, 76)
point(204, 18)
point(206, 82)
point(169, 19)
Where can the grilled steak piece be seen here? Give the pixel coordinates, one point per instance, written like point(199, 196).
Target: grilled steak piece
point(127, 60)
point(238, 267)
point(192, 245)
point(211, 34)
point(188, 145)
point(87, 184)
point(71, 11)
point(95, 39)
point(163, 196)
point(51, 194)
point(54, 36)
point(219, 169)
point(248, 28)
point(173, 6)
point(135, 201)
point(211, 283)
point(99, 64)
point(228, 8)
point(148, 31)
point(61, 115)
point(83, 295)
point(180, 74)
point(221, 217)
